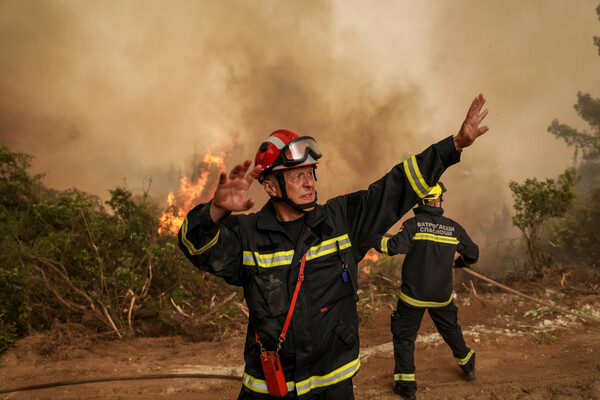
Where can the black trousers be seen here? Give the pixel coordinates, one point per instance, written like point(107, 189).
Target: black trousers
point(406, 321)
point(342, 391)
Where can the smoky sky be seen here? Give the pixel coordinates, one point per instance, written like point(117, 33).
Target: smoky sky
point(111, 93)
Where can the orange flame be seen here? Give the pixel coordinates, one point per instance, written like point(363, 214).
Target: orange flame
point(372, 256)
point(190, 192)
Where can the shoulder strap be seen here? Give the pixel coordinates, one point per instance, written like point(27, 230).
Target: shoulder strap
point(288, 319)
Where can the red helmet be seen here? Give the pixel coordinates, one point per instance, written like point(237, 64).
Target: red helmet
point(283, 149)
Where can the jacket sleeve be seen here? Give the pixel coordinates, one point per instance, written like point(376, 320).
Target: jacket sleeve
point(371, 212)
point(469, 251)
point(400, 243)
point(215, 248)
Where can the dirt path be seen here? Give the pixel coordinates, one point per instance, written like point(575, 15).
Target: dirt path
point(518, 357)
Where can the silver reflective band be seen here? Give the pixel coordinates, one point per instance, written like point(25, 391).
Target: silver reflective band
point(466, 359)
point(404, 377)
point(276, 142)
point(416, 180)
point(284, 258)
point(338, 375)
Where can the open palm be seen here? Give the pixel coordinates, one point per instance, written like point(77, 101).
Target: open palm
point(232, 190)
point(470, 129)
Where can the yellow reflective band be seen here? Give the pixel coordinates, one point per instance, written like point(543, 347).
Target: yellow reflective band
point(466, 359)
point(419, 303)
point(340, 374)
point(259, 385)
point(285, 257)
point(328, 246)
point(404, 377)
point(436, 238)
point(190, 247)
point(384, 246)
point(416, 180)
point(268, 260)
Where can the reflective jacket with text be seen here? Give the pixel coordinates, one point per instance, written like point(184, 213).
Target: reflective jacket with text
point(430, 242)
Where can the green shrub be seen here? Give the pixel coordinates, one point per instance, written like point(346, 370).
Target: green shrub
point(67, 256)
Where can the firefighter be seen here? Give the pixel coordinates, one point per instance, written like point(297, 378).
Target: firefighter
point(430, 242)
point(297, 257)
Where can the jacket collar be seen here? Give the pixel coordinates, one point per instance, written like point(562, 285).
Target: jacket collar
point(424, 209)
point(267, 218)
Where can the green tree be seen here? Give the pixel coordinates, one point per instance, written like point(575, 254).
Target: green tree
point(588, 109)
point(537, 201)
point(577, 234)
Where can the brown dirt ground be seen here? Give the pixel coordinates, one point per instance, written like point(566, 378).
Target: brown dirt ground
point(555, 356)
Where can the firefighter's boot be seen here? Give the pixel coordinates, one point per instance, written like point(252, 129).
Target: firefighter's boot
point(403, 392)
point(469, 369)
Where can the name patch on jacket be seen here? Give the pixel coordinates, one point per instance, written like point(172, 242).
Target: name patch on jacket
point(435, 229)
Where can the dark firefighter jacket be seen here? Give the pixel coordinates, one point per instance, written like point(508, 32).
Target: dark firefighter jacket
point(430, 242)
point(252, 250)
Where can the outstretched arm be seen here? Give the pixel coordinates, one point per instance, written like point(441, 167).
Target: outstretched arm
point(232, 191)
point(399, 243)
point(470, 129)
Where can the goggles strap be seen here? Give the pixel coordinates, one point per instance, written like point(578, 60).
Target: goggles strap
point(281, 181)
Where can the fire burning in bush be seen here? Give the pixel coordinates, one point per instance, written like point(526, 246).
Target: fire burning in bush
point(191, 192)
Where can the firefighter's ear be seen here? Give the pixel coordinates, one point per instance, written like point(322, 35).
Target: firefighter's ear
point(269, 187)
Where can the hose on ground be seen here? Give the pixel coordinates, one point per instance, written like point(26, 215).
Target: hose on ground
point(118, 378)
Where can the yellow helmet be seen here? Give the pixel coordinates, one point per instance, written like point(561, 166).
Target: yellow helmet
point(436, 192)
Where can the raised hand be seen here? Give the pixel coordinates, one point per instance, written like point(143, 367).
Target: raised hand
point(232, 191)
point(470, 129)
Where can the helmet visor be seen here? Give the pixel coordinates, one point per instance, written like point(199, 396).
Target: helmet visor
point(298, 150)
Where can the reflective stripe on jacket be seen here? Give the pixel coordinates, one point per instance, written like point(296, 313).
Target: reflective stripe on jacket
point(252, 250)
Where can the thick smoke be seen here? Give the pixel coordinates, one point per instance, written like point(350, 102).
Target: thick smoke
point(529, 58)
point(103, 93)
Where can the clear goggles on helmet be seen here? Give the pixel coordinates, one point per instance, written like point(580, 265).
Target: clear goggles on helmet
point(297, 151)
point(294, 154)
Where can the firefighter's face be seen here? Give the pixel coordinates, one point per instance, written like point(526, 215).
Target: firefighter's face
point(300, 184)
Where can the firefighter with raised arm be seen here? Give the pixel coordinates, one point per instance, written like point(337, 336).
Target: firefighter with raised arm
point(297, 259)
point(430, 242)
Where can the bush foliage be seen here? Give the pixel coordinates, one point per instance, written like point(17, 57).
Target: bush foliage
point(67, 256)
